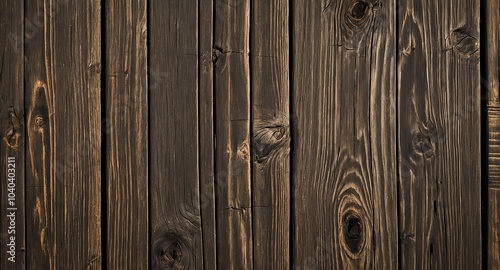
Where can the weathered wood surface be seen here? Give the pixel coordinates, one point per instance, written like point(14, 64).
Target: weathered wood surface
point(270, 88)
point(491, 37)
point(63, 128)
point(232, 128)
point(344, 135)
point(243, 134)
point(126, 135)
point(207, 138)
point(12, 135)
point(176, 235)
point(439, 135)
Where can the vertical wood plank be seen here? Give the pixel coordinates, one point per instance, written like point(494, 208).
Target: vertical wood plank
point(12, 134)
point(63, 107)
point(174, 167)
point(492, 36)
point(270, 134)
point(344, 135)
point(232, 112)
point(126, 135)
point(439, 134)
point(207, 138)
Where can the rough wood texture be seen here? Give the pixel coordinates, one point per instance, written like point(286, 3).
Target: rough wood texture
point(63, 147)
point(126, 133)
point(176, 241)
point(207, 138)
point(492, 37)
point(12, 134)
point(270, 134)
point(344, 135)
point(493, 188)
point(439, 134)
point(232, 111)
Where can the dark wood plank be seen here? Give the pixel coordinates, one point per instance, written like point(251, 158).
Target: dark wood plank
point(207, 138)
point(344, 135)
point(12, 135)
point(63, 110)
point(126, 135)
point(493, 188)
point(492, 53)
point(174, 167)
point(439, 134)
point(270, 134)
point(232, 113)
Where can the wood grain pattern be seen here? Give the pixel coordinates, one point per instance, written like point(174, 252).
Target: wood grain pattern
point(492, 59)
point(344, 135)
point(207, 137)
point(63, 110)
point(439, 134)
point(270, 134)
point(12, 135)
point(176, 241)
point(126, 134)
point(232, 128)
point(493, 187)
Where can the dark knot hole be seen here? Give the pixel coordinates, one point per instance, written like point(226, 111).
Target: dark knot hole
point(353, 228)
point(353, 233)
point(359, 9)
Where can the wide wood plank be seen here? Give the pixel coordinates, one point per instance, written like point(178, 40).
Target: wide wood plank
point(492, 72)
point(176, 241)
point(232, 128)
point(207, 138)
point(344, 135)
point(12, 136)
point(270, 134)
point(439, 134)
point(126, 135)
point(63, 146)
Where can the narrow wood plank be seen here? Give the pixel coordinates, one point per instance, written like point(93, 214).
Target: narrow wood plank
point(126, 135)
point(63, 110)
point(344, 135)
point(270, 134)
point(232, 113)
point(207, 138)
point(12, 136)
point(492, 53)
point(174, 166)
point(439, 134)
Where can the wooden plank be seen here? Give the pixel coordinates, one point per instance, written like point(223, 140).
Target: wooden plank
point(492, 59)
point(174, 167)
point(12, 135)
point(493, 187)
point(232, 113)
point(207, 138)
point(126, 135)
point(270, 134)
point(439, 134)
point(344, 135)
point(63, 110)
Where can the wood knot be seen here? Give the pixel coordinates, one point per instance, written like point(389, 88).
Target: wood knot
point(39, 122)
point(170, 251)
point(463, 42)
point(13, 134)
point(353, 232)
point(269, 141)
point(358, 10)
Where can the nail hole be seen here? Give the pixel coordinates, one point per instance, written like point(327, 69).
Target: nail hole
point(358, 11)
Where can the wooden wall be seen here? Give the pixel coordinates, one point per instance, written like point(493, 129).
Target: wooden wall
point(249, 134)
